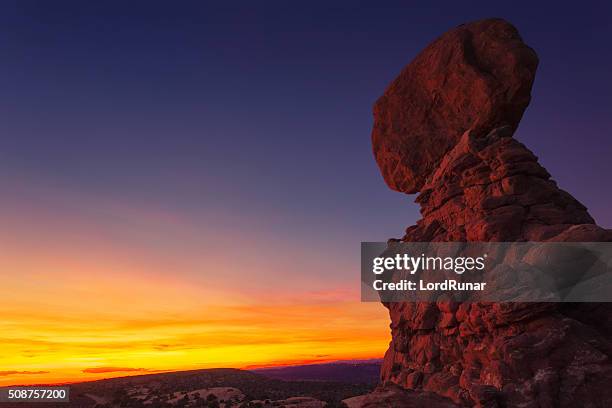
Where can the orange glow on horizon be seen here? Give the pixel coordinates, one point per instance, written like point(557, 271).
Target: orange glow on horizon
point(83, 346)
point(91, 294)
point(63, 326)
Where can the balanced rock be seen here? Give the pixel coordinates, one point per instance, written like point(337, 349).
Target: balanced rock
point(445, 128)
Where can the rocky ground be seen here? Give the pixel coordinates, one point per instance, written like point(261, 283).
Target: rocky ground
point(213, 388)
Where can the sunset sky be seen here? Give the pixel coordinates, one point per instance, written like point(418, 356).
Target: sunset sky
point(187, 186)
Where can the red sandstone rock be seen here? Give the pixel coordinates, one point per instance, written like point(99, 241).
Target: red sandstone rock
point(477, 76)
point(444, 128)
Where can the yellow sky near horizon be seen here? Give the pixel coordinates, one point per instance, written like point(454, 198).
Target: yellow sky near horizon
point(84, 299)
point(85, 342)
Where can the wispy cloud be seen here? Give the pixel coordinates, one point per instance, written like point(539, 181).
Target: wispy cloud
point(5, 373)
point(99, 370)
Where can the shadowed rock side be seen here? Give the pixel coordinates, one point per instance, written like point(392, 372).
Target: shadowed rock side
point(444, 128)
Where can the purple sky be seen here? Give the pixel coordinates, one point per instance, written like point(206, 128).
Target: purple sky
point(259, 117)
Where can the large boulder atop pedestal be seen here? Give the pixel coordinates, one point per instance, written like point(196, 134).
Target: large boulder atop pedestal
point(477, 76)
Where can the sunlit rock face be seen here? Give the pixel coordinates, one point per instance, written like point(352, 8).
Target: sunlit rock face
point(444, 128)
point(476, 77)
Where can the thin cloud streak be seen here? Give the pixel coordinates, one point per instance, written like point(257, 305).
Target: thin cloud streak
point(14, 372)
point(104, 370)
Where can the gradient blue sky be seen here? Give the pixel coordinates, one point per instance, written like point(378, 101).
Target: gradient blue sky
point(263, 109)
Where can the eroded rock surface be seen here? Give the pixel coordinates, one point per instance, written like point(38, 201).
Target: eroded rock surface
point(445, 128)
point(477, 76)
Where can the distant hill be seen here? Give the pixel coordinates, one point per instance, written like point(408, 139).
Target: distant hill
point(213, 388)
point(355, 372)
